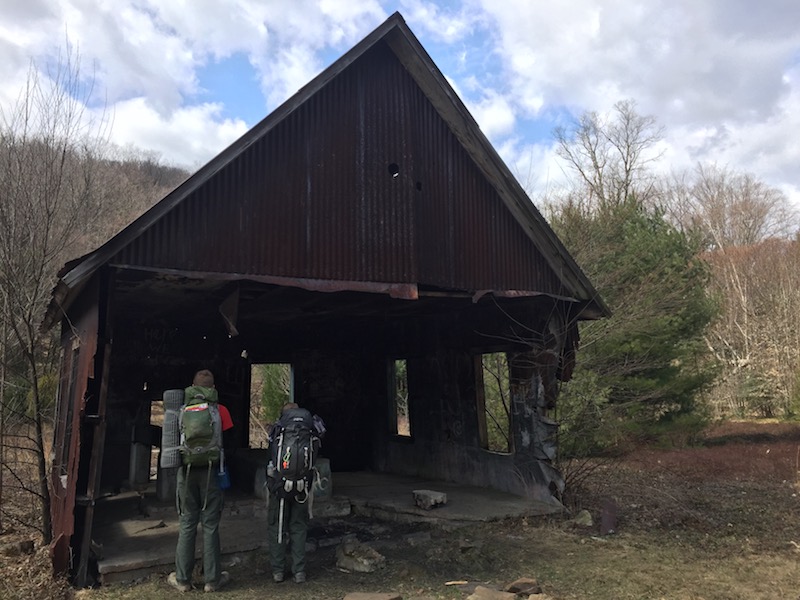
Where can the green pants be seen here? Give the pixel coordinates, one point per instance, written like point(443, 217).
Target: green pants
point(295, 529)
point(199, 500)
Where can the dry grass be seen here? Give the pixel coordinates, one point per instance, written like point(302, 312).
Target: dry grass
point(25, 577)
point(717, 522)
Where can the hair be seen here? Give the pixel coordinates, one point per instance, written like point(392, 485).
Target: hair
point(289, 405)
point(204, 378)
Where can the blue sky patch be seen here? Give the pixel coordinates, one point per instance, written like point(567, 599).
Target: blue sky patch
point(234, 83)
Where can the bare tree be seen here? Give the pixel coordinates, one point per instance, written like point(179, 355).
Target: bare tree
point(729, 208)
point(746, 227)
point(126, 182)
point(757, 337)
point(49, 148)
point(611, 154)
point(640, 366)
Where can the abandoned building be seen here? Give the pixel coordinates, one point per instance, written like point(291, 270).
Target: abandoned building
point(363, 228)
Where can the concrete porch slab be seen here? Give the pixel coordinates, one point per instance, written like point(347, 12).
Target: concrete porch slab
point(135, 534)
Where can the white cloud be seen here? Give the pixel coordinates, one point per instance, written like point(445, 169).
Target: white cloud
point(448, 25)
point(720, 75)
point(144, 56)
point(494, 114)
point(188, 137)
point(537, 167)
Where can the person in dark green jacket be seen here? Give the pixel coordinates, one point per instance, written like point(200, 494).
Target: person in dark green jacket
point(290, 504)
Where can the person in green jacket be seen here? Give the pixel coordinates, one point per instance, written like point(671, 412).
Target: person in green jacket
point(199, 499)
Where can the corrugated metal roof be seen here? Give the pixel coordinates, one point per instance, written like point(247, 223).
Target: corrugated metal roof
point(374, 172)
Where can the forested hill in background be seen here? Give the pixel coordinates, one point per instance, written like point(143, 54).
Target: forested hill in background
point(132, 182)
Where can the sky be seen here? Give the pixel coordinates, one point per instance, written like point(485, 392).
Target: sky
point(183, 79)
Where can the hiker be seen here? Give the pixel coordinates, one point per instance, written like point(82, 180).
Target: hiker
point(293, 440)
point(199, 495)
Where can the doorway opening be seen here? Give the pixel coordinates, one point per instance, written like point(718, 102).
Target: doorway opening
point(271, 386)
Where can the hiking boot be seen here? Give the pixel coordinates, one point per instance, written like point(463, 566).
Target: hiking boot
point(224, 579)
point(172, 579)
point(300, 577)
point(277, 576)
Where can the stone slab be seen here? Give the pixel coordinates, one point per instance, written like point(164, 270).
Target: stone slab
point(372, 596)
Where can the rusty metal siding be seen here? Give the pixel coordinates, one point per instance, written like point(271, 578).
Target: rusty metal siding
point(467, 238)
point(434, 196)
point(315, 197)
point(78, 346)
point(388, 201)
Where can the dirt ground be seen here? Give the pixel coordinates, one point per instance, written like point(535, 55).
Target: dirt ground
point(720, 521)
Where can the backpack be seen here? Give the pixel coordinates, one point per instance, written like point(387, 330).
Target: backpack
point(294, 447)
point(200, 427)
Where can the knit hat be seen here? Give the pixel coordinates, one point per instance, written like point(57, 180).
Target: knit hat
point(204, 378)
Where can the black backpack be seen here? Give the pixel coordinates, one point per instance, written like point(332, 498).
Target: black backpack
point(294, 449)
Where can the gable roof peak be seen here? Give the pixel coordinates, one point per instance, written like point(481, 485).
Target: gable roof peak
point(409, 51)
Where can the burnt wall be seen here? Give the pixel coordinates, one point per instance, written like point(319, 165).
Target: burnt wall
point(342, 371)
point(149, 358)
point(347, 391)
point(445, 438)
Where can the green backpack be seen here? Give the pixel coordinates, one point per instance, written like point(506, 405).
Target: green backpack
point(200, 427)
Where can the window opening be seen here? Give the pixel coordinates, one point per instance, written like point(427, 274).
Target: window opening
point(271, 386)
point(398, 393)
point(156, 425)
point(494, 402)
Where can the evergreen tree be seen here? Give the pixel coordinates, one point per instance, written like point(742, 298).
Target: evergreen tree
point(647, 361)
